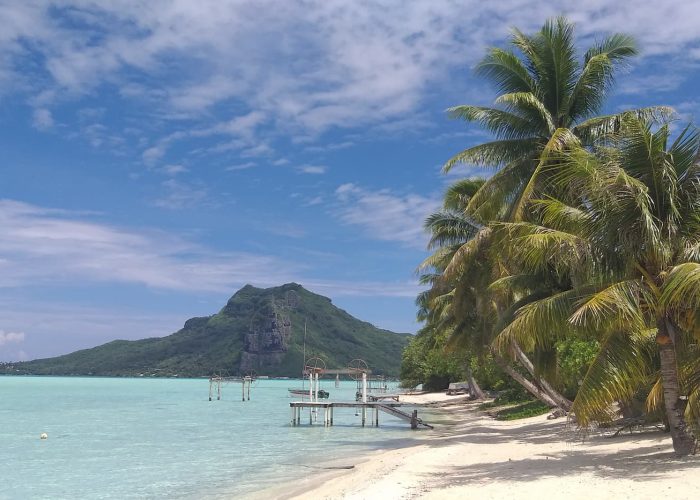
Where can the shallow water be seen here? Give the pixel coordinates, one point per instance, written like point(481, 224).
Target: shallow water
point(114, 438)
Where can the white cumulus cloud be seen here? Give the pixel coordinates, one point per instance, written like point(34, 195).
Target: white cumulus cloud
point(385, 215)
point(11, 337)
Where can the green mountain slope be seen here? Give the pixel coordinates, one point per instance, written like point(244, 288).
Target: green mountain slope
point(258, 329)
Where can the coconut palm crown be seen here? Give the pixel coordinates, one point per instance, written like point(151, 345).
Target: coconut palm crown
point(548, 98)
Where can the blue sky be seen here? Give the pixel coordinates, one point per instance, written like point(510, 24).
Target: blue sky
point(158, 155)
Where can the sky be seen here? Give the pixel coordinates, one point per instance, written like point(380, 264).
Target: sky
point(155, 156)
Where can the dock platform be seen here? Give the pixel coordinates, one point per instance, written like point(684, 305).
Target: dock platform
point(374, 407)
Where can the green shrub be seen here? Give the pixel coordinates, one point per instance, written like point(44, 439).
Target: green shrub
point(574, 356)
point(526, 410)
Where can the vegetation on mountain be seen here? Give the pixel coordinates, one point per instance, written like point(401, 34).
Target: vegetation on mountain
point(259, 330)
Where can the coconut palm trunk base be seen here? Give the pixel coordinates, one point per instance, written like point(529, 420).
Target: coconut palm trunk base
point(474, 388)
point(527, 385)
point(563, 403)
point(683, 441)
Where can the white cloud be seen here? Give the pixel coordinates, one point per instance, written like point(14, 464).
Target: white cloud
point(241, 166)
point(41, 245)
point(173, 169)
point(50, 246)
point(384, 215)
point(153, 154)
point(180, 195)
point(242, 126)
point(312, 169)
point(287, 230)
point(302, 66)
point(688, 110)
point(43, 119)
point(11, 338)
point(329, 147)
point(59, 328)
point(316, 200)
point(258, 150)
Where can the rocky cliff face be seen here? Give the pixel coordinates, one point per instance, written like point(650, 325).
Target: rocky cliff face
point(270, 333)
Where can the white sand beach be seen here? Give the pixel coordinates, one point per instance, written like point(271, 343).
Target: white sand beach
point(479, 457)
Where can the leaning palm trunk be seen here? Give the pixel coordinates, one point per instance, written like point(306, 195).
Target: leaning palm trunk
point(474, 388)
point(683, 442)
point(527, 385)
point(557, 397)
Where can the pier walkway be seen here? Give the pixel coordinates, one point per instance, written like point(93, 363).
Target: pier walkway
point(375, 407)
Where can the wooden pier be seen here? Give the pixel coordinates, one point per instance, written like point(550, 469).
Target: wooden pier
point(358, 370)
point(215, 384)
point(375, 408)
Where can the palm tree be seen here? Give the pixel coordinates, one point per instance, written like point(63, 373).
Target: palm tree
point(627, 232)
point(548, 99)
point(548, 102)
point(458, 302)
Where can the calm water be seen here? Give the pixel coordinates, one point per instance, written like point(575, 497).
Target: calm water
point(162, 438)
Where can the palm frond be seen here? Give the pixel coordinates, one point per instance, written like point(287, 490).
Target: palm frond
point(558, 215)
point(493, 200)
point(449, 228)
point(681, 289)
point(600, 127)
point(505, 70)
point(540, 323)
point(527, 104)
point(620, 367)
point(465, 256)
point(598, 74)
point(590, 90)
point(537, 248)
point(617, 47)
point(502, 124)
point(618, 303)
point(557, 66)
point(561, 139)
point(495, 153)
point(459, 193)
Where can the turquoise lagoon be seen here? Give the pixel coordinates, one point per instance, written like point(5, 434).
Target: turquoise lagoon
point(115, 438)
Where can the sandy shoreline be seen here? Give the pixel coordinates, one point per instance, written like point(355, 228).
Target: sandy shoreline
point(479, 457)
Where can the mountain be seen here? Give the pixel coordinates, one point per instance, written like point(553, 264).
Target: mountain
point(259, 330)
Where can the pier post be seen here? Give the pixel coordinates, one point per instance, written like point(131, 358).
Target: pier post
point(218, 390)
point(250, 381)
point(376, 416)
point(243, 389)
point(210, 387)
point(331, 416)
point(316, 386)
point(364, 398)
point(311, 386)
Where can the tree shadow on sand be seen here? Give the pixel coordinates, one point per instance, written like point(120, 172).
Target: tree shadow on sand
point(645, 463)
